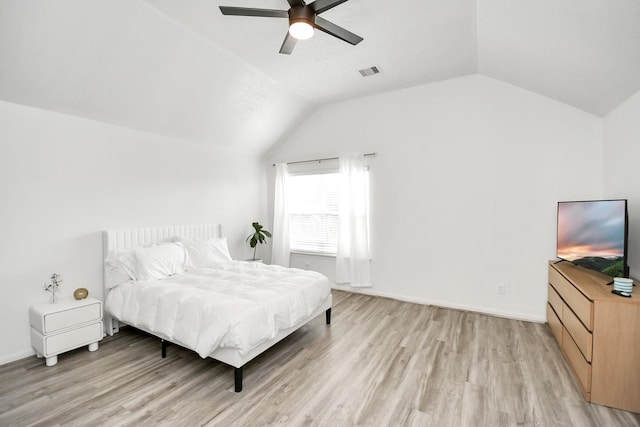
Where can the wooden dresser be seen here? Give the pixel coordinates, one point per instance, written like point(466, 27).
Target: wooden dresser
point(598, 332)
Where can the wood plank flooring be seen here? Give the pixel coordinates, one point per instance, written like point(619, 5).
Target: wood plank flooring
point(381, 363)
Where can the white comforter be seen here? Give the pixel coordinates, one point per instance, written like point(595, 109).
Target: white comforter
point(237, 304)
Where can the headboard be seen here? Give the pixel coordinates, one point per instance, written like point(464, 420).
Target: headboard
point(118, 240)
point(131, 238)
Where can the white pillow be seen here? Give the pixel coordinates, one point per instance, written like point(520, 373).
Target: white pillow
point(206, 253)
point(119, 268)
point(159, 261)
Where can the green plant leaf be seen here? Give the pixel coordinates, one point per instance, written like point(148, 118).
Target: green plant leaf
point(259, 236)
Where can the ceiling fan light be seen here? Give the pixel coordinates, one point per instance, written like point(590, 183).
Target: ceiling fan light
point(301, 30)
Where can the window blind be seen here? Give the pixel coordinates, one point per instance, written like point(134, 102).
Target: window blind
point(313, 211)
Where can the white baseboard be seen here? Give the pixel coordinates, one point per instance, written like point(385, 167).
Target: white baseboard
point(16, 356)
point(514, 315)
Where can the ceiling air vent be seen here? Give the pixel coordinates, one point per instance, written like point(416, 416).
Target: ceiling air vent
point(369, 71)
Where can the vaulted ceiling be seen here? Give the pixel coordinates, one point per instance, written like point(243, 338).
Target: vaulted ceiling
point(181, 68)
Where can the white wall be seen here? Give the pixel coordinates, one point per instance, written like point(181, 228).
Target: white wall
point(621, 160)
point(464, 188)
point(152, 73)
point(63, 179)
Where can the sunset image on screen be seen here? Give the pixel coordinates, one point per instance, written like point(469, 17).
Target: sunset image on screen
point(591, 229)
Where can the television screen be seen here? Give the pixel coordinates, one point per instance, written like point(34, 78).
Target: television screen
point(593, 234)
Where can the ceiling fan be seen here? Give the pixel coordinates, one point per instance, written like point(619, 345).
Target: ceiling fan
point(303, 18)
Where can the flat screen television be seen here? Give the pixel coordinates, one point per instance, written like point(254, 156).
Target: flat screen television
point(593, 234)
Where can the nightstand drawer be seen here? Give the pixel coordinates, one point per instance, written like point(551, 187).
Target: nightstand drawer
point(49, 345)
point(49, 318)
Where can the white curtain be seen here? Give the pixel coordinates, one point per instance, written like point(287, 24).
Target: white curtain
point(352, 258)
point(280, 251)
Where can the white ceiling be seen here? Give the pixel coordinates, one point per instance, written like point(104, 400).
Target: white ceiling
point(584, 53)
point(417, 42)
point(181, 68)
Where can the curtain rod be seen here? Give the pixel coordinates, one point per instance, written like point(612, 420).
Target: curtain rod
point(327, 158)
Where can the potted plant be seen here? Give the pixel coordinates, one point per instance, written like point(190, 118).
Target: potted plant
point(258, 236)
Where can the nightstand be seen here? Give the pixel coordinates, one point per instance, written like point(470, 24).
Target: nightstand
point(64, 326)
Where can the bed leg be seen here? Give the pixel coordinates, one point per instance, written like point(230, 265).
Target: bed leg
point(328, 316)
point(108, 322)
point(237, 374)
point(111, 325)
point(164, 348)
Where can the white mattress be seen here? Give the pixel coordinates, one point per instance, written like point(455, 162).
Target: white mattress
point(237, 304)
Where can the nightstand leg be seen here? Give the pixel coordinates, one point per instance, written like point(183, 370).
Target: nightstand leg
point(93, 346)
point(51, 360)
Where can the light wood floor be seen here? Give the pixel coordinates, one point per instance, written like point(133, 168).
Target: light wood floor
point(380, 363)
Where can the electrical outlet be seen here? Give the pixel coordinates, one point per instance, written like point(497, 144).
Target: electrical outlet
point(501, 289)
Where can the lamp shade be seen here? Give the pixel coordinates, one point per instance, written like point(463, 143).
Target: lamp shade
point(301, 30)
point(301, 21)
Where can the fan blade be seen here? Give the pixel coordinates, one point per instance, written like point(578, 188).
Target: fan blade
point(294, 3)
point(247, 11)
point(320, 6)
point(288, 44)
point(336, 31)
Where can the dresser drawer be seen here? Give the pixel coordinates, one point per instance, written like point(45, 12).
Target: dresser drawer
point(49, 345)
point(581, 336)
point(554, 324)
point(51, 318)
point(555, 300)
point(578, 363)
point(581, 306)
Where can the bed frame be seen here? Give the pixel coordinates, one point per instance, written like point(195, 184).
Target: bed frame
point(131, 238)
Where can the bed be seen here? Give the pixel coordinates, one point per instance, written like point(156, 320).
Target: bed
point(180, 284)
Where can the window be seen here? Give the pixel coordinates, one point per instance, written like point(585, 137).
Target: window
point(308, 215)
point(313, 212)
